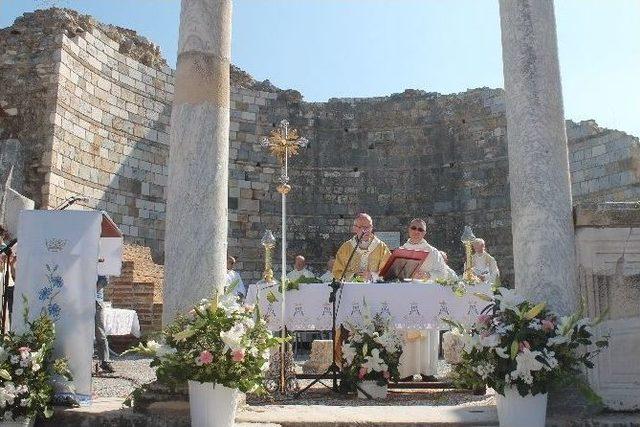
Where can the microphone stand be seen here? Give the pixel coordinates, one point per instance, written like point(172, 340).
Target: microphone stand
point(334, 369)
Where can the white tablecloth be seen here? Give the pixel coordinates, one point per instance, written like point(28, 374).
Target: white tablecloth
point(120, 321)
point(409, 305)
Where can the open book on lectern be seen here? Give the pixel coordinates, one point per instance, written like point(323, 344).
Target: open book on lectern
point(402, 264)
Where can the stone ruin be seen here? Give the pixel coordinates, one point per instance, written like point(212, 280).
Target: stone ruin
point(85, 110)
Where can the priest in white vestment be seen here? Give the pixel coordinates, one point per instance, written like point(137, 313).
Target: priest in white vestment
point(484, 265)
point(328, 275)
point(420, 350)
point(299, 269)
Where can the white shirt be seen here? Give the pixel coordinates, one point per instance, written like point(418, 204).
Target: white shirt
point(232, 277)
point(327, 277)
point(434, 265)
point(296, 274)
point(485, 264)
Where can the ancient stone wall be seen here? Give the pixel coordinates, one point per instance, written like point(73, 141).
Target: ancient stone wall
point(604, 163)
point(412, 154)
point(111, 135)
point(89, 105)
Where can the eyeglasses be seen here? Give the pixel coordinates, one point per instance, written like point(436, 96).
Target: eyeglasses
point(366, 227)
point(420, 229)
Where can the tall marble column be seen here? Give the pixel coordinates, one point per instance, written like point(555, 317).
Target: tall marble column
point(196, 226)
point(541, 209)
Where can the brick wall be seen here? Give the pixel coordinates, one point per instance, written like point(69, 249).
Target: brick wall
point(139, 287)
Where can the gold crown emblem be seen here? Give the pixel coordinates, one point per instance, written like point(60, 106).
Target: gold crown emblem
point(55, 244)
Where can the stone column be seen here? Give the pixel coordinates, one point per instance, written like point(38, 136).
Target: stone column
point(196, 226)
point(541, 210)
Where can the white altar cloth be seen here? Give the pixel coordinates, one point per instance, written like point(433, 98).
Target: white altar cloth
point(120, 321)
point(409, 305)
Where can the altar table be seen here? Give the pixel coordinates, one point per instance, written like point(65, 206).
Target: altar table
point(408, 305)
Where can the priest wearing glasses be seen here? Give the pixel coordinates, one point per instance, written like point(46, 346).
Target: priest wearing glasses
point(420, 349)
point(370, 254)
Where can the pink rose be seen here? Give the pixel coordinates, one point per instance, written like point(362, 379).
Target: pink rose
point(362, 373)
point(484, 318)
point(205, 357)
point(237, 355)
point(24, 351)
point(548, 325)
point(523, 345)
point(386, 375)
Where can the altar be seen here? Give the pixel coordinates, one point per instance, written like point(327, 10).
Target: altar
point(408, 305)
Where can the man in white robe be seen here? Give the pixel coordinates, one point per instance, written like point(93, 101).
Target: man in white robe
point(234, 279)
point(484, 265)
point(299, 269)
point(328, 275)
point(420, 350)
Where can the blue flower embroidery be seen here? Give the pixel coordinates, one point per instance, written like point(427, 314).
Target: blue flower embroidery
point(56, 281)
point(49, 291)
point(54, 311)
point(44, 293)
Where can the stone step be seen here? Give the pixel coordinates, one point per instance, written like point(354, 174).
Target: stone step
point(109, 412)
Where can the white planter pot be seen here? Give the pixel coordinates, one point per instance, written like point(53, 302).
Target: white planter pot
point(212, 405)
point(20, 422)
point(376, 391)
point(515, 410)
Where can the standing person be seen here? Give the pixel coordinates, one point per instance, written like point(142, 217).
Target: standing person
point(484, 265)
point(234, 279)
point(328, 275)
point(369, 257)
point(420, 348)
point(102, 344)
point(299, 269)
point(434, 267)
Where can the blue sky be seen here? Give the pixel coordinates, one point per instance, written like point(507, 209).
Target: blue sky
point(361, 48)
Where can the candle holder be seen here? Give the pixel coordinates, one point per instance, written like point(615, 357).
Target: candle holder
point(467, 239)
point(269, 242)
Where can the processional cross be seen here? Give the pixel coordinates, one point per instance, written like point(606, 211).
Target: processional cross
point(283, 143)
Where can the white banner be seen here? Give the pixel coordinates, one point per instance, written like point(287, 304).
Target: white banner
point(412, 305)
point(57, 273)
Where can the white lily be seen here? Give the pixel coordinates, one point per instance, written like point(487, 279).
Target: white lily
point(375, 362)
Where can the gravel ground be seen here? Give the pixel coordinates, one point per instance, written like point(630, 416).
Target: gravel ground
point(132, 371)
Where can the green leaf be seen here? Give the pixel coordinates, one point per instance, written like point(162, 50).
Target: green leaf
point(48, 412)
point(4, 374)
point(534, 311)
point(482, 296)
point(514, 349)
point(271, 297)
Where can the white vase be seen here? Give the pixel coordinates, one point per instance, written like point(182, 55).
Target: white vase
point(20, 422)
point(212, 405)
point(515, 410)
point(373, 389)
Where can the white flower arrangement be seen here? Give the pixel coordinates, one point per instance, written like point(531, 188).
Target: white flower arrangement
point(515, 343)
point(372, 351)
point(218, 341)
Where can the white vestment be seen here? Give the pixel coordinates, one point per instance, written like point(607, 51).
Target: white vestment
point(327, 277)
point(233, 277)
point(296, 274)
point(484, 264)
point(420, 348)
point(434, 265)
